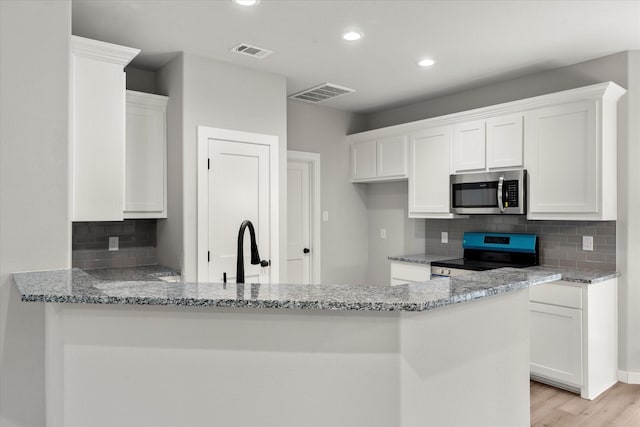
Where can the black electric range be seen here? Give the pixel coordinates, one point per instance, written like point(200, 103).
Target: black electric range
point(487, 251)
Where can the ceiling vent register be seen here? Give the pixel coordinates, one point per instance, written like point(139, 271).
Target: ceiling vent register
point(253, 51)
point(321, 93)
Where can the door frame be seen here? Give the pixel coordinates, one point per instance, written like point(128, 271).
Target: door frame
point(313, 159)
point(205, 134)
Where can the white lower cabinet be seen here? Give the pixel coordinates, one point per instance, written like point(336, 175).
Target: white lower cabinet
point(405, 272)
point(556, 343)
point(146, 156)
point(574, 338)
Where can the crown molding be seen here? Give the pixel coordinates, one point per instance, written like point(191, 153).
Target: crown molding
point(102, 51)
point(608, 91)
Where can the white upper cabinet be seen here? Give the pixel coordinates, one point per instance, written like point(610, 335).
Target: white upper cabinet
point(363, 160)
point(98, 129)
point(392, 157)
point(565, 140)
point(505, 142)
point(562, 159)
point(429, 154)
point(382, 159)
point(570, 156)
point(146, 148)
point(469, 147)
point(483, 145)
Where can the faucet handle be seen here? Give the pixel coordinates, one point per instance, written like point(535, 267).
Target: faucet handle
point(265, 263)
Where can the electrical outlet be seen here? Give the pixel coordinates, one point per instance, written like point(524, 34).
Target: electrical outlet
point(587, 243)
point(383, 233)
point(444, 237)
point(325, 216)
point(114, 243)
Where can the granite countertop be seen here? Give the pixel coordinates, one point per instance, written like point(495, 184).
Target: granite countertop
point(78, 286)
point(567, 274)
point(419, 258)
point(137, 273)
point(577, 275)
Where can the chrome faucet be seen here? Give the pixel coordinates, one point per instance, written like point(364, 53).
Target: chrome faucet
point(255, 256)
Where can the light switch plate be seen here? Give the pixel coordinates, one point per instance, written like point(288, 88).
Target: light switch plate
point(587, 243)
point(383, 233)
point(444, 237)
point(114, 243)
point(325, 216)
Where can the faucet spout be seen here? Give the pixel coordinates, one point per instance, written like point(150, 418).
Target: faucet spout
point(255, 256)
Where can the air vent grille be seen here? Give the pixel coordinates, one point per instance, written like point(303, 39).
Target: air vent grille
point(321, 93)
point(247, 49)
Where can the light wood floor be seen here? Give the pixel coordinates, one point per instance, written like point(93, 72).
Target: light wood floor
point(618, 406)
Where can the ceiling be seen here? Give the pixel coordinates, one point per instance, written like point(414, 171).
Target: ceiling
point(474, 42)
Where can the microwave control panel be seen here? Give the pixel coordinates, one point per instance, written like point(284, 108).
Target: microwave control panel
point(510, 194)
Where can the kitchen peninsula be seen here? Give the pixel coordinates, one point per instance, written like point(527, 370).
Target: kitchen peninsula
point(454, 351)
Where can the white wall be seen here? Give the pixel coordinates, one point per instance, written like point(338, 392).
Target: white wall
point(628, 225)
point(35, 225)
point(388, 205)
point(344, 237)
point(622, 68)
point(141, 80)
point(170, 82)
point(221, 95)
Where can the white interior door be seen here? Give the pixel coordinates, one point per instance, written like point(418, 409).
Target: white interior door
point(298, 222)
point(239, 189)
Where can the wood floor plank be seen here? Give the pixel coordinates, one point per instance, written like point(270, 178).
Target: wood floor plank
point(551, 407)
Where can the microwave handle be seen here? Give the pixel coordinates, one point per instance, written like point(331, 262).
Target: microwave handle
point(500, 204)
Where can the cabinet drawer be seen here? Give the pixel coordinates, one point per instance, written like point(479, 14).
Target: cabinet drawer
point(407, 272)
point(557, 294)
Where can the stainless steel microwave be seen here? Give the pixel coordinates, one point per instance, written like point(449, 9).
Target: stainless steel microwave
point(489, 192)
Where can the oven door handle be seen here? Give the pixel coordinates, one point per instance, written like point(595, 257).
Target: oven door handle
point(500, 204)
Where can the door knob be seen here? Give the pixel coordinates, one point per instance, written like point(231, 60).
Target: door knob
point(306, 250)
point(264, 263)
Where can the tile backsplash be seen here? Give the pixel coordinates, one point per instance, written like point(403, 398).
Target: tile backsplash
point(137, 243)
point(560, 242)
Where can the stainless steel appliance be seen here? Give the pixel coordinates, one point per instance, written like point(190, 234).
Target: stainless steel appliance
point(487, 251)
point(489, 192)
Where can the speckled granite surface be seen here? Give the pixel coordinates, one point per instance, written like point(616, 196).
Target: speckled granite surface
point(77, 286)
point(578, 276)
point(568, 274)
point(138, 273)
point(419, 258)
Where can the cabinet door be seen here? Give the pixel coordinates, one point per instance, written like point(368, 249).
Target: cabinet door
point(98, 128)
point(403, 272)
point(145, 190)
point(429, 172)
point(556, 343)
point(504, 142)
point(469, 147)
point(392, 157)
point(561, 157)
point(98, 140)
point(363, 160)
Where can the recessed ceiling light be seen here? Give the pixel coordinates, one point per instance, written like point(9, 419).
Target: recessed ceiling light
point(427, 62)
point(247, 2)
point(352, 36)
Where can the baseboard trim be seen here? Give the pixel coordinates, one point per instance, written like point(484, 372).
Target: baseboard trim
point(628, 377)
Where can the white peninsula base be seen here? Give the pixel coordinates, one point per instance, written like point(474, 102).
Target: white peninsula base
point(130, 365)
